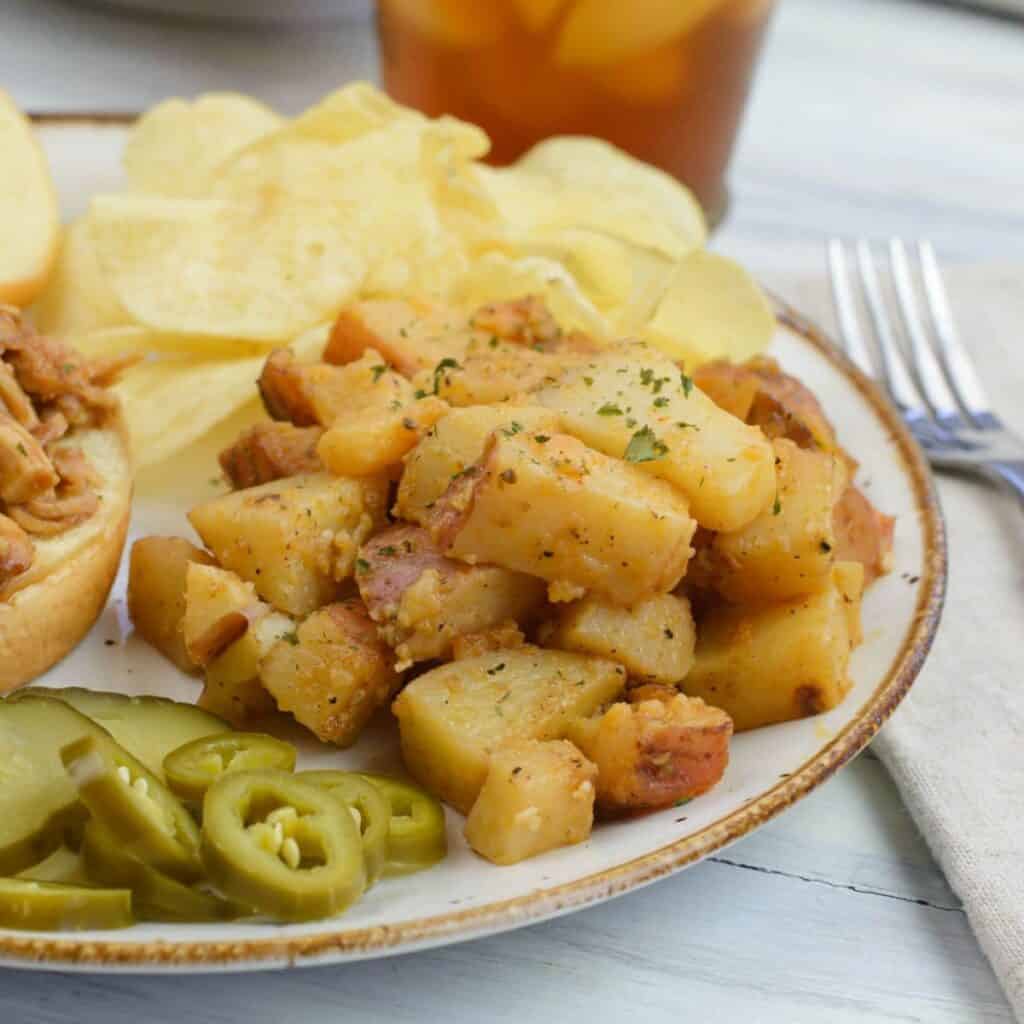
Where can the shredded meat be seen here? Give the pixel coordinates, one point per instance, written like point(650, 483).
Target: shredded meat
point(25, 468)
point(283, 388)
point(46, 389)
point(270, 451)
point(16, 550)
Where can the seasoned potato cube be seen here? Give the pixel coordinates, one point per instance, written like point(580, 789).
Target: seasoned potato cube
point(656, 750)
point(788, 550)
point(422, 601)
point(409, 336)
point(218, 609)
point(381, 419)
point(454, 443)
point(233, 690)
point(632, 402)
point(576, 518)
point(294, 539)
point(536, 797)
point(454, 717)
point(332, 674)
point(773, 663)
point(156, 593)
point(863, 534)
point(504, 637)
point(759, 393)
point(507, 372)
point(269, 451)
point(653, 639)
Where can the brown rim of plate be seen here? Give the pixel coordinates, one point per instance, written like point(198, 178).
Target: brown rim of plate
point(494, 917)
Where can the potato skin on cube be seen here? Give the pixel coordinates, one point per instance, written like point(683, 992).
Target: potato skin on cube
point(333, 673)
point(452, 718)
point(572, 516)
point(232, 689)
point(653, 639)
point(295, 540)
point(773, 663)
point(423, 601)
point(454, 444)
point(156, 593)
point(537, 796)
point(724, 467)
point(789, 549)
point(654, 751)
point(377, 418)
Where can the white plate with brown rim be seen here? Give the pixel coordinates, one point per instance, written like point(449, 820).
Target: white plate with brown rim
point(465, 897)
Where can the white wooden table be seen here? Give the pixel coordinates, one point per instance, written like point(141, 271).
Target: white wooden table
point(871, 117)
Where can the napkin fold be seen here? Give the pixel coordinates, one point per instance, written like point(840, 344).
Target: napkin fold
point(955, 747)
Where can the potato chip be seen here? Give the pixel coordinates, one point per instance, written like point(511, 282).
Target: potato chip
point(169, 403)
point(174, 148)
point(228, 270)
point(712, 309)
point(598, 32)
point(133, 339)
point(77, 297)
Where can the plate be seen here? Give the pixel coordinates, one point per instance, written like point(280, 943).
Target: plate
point(465, 897)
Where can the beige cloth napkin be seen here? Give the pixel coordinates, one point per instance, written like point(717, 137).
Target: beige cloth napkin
point(956, 745)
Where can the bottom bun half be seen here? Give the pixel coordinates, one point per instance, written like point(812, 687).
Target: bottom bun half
point(47, 610)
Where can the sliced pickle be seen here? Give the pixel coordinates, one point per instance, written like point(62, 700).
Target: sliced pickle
point(48, 906)
point(147, 727)
point(38, 801)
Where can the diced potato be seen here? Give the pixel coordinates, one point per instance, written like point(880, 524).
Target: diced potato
point(863, 534)
point(233, 690)
point(219, 606)
point(409, 336)
point(632, 402)
point(294, 539)
point(561, 511)
point(504, 637)
point(653, 639)
point(508, 372)
point(788, 550)
point(773, 663)
point(380, 420)
point(454, 717)
point(156, 593)
point(654, 751)
point(454, 443)
point(759, 393)
point(422, 601)
point(333, 673)
point(537, 796)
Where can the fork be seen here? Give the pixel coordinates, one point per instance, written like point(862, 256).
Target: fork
point(937, 389)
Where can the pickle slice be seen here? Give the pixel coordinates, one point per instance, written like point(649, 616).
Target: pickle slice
point(38, 800)
point(48, 906)
point(147, 727)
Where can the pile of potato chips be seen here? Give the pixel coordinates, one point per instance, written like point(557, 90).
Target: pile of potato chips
point(240, 232)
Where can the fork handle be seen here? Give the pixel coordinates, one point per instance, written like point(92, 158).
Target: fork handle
point(1012, 474)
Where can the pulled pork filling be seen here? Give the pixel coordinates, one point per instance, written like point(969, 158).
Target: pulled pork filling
point(47, 389)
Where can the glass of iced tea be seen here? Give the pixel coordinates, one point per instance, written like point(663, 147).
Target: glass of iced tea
point(664, 79)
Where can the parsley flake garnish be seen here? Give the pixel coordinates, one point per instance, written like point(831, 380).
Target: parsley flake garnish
point(378, 371)
point(644, 446)
point(362, 565)
point(609, 409)
point(687, 384)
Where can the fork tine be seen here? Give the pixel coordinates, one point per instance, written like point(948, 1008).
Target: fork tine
point(846, 308)
point(897, 376)
point(963, 378)
point(929, 373)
